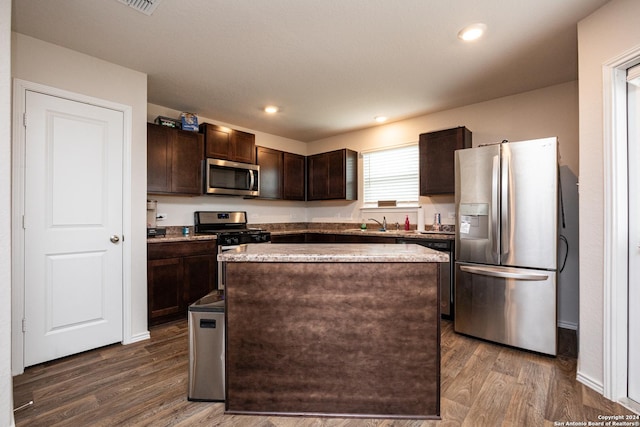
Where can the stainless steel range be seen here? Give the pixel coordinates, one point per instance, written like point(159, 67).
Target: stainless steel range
point(231, 231)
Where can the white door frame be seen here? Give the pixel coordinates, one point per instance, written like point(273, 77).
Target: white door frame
point(616, 229)
point(20, 88)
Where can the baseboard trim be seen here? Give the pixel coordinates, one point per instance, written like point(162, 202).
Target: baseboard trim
point(590, 382)
point(137, 338)
point(630, 405)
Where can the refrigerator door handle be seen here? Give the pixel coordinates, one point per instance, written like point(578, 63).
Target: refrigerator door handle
point(503, 273)
point(495, 197)
point(505, 225)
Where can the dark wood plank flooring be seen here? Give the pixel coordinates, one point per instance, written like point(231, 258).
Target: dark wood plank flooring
point(145, 384)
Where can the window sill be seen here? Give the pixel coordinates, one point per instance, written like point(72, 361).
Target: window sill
point(404, 208)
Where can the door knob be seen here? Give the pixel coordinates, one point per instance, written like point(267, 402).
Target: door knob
point(114, 239)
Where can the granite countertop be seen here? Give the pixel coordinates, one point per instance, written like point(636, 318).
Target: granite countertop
point(179, 238)
point(342, 252)
point(174, 233)
point(413, 234)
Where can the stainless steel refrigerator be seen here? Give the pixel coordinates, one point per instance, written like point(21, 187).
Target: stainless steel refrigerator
point(506, 243)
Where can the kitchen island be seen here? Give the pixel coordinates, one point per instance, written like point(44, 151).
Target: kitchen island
point(336, 330)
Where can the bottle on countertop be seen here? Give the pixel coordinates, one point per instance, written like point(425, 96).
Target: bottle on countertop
point(406, 223)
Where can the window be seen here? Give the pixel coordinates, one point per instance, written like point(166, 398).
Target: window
point(392, 174)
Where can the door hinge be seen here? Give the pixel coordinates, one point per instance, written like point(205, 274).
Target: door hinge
point(24, 119)
point(24, 325)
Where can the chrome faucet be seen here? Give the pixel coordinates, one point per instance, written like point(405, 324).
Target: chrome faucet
point(382, 224)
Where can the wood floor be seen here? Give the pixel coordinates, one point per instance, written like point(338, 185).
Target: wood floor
point(145, 384)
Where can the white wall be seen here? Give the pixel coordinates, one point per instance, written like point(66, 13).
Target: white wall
point(37, 61)
point(6, 388)
point(607, 33)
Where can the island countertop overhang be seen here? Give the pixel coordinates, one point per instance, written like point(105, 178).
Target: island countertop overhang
point(322, 252)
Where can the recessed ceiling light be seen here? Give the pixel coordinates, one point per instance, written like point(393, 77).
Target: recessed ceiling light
point(472, 32)
point(271, 109)
point(381, 119)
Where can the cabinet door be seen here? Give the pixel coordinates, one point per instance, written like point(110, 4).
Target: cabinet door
point(270, 162)
point(437, 174)
point(333, 175)
point(199, 276)
point(159, 158)
point(186, 169)
point(164, 288)
point(293, 176)
point(336, 179)
point(350, 238)
point(320, 238)
point(288, 238)
point(217, 141)
point(318, 176)
point(243, 147)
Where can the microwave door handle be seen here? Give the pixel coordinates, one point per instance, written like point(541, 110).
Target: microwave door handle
point(252, 179)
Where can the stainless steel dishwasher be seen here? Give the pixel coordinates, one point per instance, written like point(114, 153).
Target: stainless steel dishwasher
point(206, 348)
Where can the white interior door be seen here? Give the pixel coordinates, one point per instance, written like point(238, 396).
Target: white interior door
point(633, 111)
point(73, 227)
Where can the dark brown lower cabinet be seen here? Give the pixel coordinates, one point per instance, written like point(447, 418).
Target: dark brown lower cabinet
point(178, 274)
point(288, 238)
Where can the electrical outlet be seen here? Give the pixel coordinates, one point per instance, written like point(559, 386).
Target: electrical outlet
point(451, 215)
point(161, 216)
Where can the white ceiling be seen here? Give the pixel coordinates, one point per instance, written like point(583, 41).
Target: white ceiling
point(330, 65)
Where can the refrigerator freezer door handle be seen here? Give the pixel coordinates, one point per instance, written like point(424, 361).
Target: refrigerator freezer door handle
point(495, 197)
point(504, 274)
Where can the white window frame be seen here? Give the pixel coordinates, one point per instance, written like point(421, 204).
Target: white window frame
point(368, 204)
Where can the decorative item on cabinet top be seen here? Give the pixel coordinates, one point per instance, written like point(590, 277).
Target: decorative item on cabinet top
point(189, 122)
point(168, 122)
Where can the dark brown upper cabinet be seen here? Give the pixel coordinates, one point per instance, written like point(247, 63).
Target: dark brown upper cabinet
point(174, 161)
point(294, 174)
point(271, 177)
point(437, 174)
point(228, 144)
point(333, 175)
point(282, 174)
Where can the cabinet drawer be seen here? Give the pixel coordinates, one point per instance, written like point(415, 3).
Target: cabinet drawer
point(180, 249)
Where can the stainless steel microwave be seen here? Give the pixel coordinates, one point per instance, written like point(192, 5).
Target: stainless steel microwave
point(231, 178)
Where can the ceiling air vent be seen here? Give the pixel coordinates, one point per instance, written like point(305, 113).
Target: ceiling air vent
point(145, 6)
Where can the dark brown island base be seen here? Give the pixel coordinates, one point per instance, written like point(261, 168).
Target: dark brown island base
point(333, 330)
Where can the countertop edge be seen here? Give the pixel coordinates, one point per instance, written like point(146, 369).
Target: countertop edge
point(333, 253)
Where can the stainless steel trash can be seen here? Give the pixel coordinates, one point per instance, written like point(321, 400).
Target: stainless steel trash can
point(206, 348)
